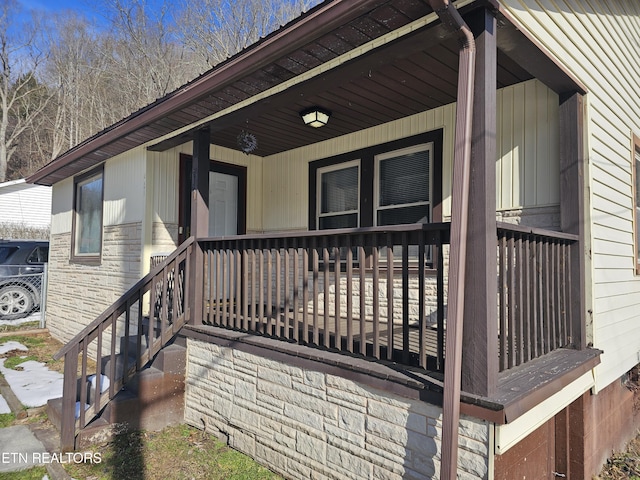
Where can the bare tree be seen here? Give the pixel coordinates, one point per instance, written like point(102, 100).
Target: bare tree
point(217, 29)
point(147, 62)
point(22, 97)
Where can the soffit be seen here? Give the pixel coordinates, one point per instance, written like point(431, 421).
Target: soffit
point(417, 72)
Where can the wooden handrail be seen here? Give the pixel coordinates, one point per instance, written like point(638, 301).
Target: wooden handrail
point(128, 295)
point(165, 283)
point(539, 232)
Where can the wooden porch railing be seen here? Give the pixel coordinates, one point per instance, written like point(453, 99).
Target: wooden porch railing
point(151, 312)
point(350, 290)
point(534, 285)
point(377, 292)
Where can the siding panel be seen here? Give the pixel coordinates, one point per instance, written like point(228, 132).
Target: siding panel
point(604, 37)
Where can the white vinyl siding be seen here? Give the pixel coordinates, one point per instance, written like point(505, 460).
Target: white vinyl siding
point(26, 204)
point(528, 167)
point(598, 43)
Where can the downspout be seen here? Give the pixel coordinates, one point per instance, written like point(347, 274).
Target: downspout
point(450, 17)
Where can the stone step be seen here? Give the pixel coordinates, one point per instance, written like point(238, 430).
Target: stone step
point(151, 400)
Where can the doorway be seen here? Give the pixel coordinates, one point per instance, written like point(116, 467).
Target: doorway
point(227, 199)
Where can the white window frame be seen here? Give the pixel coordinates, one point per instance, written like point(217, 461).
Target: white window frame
point(396, 153)
point(333, 168)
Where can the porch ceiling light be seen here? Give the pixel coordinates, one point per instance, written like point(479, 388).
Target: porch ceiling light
point(315, 117)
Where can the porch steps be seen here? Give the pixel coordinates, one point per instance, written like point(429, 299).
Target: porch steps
point(150, 400)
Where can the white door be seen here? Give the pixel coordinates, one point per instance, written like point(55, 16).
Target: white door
point(223, 204)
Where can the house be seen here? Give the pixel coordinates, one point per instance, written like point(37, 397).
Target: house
point(444, 273)
point(25, 205)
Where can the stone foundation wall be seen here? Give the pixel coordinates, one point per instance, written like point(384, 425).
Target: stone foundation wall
point(77, 293)
point(307, 424)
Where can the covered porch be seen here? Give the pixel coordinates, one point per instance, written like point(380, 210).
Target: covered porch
point(377, 294)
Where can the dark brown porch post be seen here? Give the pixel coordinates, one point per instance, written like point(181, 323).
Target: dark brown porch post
point(199, 221)
point(572, 191)
point(480, 333)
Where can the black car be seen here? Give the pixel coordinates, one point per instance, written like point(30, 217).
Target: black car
point(21, 275)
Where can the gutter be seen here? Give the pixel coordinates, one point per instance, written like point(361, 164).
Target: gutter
point(450, 17)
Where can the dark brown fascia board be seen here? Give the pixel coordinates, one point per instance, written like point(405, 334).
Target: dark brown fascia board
point(319, 21)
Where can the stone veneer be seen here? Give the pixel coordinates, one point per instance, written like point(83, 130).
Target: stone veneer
point(308, 424)
point(77, 293)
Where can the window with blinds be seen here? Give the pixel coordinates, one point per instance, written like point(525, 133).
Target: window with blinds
point(339, 192)
point(403, 186)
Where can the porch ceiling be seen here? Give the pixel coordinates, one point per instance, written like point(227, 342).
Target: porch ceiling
point(412, 74)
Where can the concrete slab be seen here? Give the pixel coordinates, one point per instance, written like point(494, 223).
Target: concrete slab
point(19, 449)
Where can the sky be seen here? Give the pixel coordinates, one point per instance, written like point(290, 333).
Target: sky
point(58, 5)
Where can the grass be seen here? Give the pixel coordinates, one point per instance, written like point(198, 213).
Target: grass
point(41, 349)
point(17, 328)
point(14, 362)
point(179, 452)
point(31, 474)
point(6, 419)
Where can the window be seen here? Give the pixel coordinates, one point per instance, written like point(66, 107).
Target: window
point(339, 193)
point(388, 184)
point(39, 255)
point(404, 186)
point(87, 221)
point(636, 200)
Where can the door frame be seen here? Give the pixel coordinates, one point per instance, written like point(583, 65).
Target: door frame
point(184, 194)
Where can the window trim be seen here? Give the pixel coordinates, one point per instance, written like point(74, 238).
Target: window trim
point(635, 204)
point(334, 168)
point(367, 172)
point(86, 258)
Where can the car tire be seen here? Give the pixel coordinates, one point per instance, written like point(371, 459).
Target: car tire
point(16, 301)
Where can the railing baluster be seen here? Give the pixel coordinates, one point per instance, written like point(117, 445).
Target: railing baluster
point(390, 312)
point(440, 293)
point(363, 293)
point(337, 307)
point(376, 298)
point(112, 354)
point(305, 291)
point(296, 296)
point(238, 297)
point(245, 289)
point(327, 284)
point(502, 292)
point(69, 395)
point(269, 290)
point(405, 299)
point(511, 303)
point(547, 298)
point(287, 287)
point(278, 299)
point(518, 299)
point(316, 293)
point(254, 278)
point(422, 321)
point(526, 302)
point(349, 273)
point(210, 257)
point(261, 287)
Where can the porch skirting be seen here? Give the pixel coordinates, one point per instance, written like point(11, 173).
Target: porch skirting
point(304, 423)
